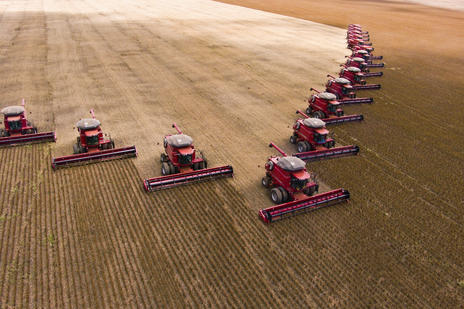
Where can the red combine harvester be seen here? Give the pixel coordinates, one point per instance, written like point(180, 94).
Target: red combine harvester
point(293, 186)
point(93, 145)
point(365, 55)
point(344, 92)
point(360, 63)
point(356, 78)
point(19, 130)
point(182, 164)
point(311, 137)
point(324, 105)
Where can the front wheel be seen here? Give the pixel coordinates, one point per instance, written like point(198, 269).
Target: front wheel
point(165, 169)
point(309, 111)
point(301, 146)
point(319, 115)
point(75, 149)
point(276, 195)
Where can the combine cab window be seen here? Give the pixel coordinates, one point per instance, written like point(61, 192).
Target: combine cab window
point(185, 159)
point(319, 138)
point(14, 125)
point(92, 140)
point(298, 184)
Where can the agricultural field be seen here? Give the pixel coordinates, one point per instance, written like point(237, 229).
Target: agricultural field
point(232, 78)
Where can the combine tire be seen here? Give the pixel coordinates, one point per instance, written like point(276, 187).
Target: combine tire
point(163, 158)
point(276, 195)
point(309, 147)
point(319, 115)
point(75, 149)
point(309, 191)
point(172, 168)
point(266, 181)
point(301, 146)
point(165, 169)
point(293, 139)
point(309, 111)
point(284, 194)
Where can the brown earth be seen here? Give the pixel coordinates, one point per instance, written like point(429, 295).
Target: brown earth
point(232, 78)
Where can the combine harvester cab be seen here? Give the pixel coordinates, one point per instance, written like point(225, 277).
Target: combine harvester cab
point(344, 91)
point(92, 145)
point(292, 188)
point(324, 105)
point(18, 130)
point(355, 76)
point(183, 164)
point(313, 142)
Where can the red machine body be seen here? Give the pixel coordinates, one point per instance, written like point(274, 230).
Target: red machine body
point(92, 145)
point(356, 78)
point(19, 130)
point(365, 55)
point(324, 105)
point(361, 63)
point(344, 91)
point(292, 185)
point(313, 141)
point(182, 164)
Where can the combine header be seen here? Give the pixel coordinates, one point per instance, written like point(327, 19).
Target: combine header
point(344, 92)
point(19, 130)
point(313, 143)
point(324, 105)
point(355, 76)
point(293, 186)
point(93, 145)
point(182, 164)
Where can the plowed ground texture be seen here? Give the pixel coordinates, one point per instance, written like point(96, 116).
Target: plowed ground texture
point(90, 237)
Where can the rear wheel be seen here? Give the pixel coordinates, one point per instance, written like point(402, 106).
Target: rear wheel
point(276, 195)
point(196, 166)
point(111, 144)
point(266, 181)
point(2, 132)
point(165, 169)
point(293, 139)
point(163, 158)
point(284, 194)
